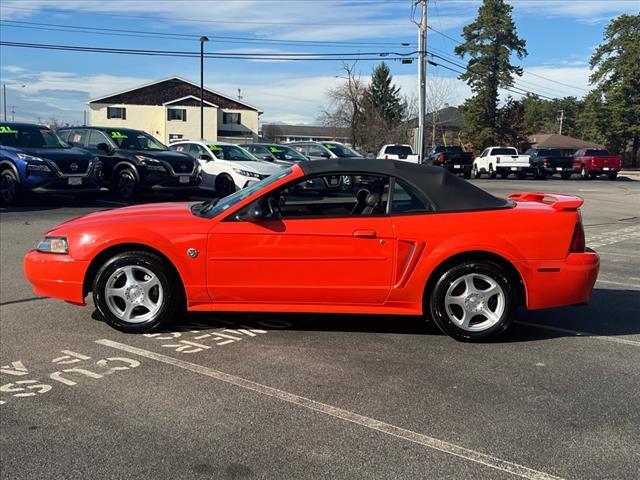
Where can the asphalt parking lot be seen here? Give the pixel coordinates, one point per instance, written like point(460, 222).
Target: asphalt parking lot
point(302, 396)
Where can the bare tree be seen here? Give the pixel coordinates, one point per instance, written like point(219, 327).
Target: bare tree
point(440, 92)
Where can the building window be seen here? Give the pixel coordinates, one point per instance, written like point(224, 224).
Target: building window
point(177, 114)
point(174, 137)
point(229, 118)
point(117, 112)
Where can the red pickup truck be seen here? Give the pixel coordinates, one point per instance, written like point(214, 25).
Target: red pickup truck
point(591, 162)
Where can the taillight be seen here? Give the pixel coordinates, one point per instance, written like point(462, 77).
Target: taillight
point(441, 157)
point(497, 159)
point(546, 162)
point(577, 242)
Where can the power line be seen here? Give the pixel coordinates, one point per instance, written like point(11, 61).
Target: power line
point(221, 55)
point(182, 36)
point(526, 71)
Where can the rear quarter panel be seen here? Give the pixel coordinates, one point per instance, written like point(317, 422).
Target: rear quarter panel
point(523, 235)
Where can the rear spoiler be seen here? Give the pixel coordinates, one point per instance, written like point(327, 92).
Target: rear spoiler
point(558, 202)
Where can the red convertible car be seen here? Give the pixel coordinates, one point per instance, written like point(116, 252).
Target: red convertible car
point(335, 236)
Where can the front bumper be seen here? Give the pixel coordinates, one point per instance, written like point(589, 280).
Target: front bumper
point(556, 283)
point(55, 275)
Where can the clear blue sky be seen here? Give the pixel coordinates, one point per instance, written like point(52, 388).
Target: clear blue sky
point(560, 34)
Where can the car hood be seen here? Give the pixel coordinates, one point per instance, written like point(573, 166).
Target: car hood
point(174, 158)
point(133, 219)
point(263, 168)
point(57, 155)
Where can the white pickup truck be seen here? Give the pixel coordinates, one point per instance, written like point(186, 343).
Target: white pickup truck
point(398, 152)
point(501, 160)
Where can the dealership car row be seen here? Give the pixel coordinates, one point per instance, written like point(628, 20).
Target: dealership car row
point(81, 160)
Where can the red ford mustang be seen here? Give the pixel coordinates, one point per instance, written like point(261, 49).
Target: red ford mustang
point(335, 236)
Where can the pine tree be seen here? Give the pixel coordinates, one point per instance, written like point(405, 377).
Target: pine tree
point(489, 42)
point(616, 74)
point(383, 97)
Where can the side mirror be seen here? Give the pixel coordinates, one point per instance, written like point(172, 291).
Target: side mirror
point(269, 158)
point(205, 157)
point(104, 147)
point(253, 214)
point(325, 154)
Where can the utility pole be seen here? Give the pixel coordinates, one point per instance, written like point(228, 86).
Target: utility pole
point(203, 39)
point(13, 113)
point(422, 74)
point(4, 100)
point(561, 120)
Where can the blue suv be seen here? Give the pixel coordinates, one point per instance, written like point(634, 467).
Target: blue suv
point(33, 158)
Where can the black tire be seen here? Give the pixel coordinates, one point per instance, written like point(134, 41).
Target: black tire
point(467, 174)
point(475, 172)
point(565, 175)
point(612, 175)
point(504, 174)
point(584, 174)
point(492, 172)
point(441, 317)
point(125, 185)
point(522, 175)
point(224, 186)
point(9, 187)
point(168, 304)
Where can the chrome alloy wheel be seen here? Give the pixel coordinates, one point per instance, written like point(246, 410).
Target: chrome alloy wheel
point(133, 294)
point(475, 302)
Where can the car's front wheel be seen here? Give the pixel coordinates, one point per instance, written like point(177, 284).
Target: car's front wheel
point(475, 172)
point(125, 185)
point(136, 292)
point(224, 186)
point(473, 301)
point(584, 174)
point(8, 187)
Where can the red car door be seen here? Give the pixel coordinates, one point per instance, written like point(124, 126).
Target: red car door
point(332, 256)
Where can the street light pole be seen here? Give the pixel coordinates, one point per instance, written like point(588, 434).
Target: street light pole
point(422, 81)
point(4, 100)
point(203, 39)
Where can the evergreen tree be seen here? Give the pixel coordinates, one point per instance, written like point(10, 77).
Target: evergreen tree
point(616, 74)
point(383, 97)
point(489, 42)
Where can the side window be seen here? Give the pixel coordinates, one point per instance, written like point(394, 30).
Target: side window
point(77, 138)
point(184, 148)
point(484, 154)
point(64, 134)
point(333, 196)
point(95, 138)
point(198, 150)
point(407, 200)
point(316, 151)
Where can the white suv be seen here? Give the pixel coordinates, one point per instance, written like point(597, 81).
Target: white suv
point(225, 167)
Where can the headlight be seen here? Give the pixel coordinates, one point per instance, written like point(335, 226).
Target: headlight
point(246, 173)
point(53, 245)
point(37, 167)
point(24, 156)
point(151, 164)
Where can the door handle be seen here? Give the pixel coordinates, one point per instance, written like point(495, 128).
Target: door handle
point(365, 233)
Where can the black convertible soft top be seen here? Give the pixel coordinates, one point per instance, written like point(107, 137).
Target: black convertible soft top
point(446, 191)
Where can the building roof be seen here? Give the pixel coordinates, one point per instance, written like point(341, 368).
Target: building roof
point(446, 191)
point(274, 129)
point(562, 142)
point(170, 89)
point(450, 117)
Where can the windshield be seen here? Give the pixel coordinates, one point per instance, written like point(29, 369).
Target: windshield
point(398, 150)
point(504, 151)
point(134, 140)
point(231, 152)
point(549, 152)
point(286, 153)
point(30, 136)
point(211, 209)
point(597, 153)
point(341, 151)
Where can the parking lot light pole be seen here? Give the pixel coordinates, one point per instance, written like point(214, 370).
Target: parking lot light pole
point(203, 39)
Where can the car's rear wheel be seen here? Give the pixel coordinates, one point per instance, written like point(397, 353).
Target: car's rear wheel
point(522, 175)
point(613, 175)
point(565, 175)
point(224, 185)
point(473, 301)
point(475, 172)
point(504, 174)
point(136, 292)
point(492, 172)
point(8, 187)
point(467, 173)
point(125, 184)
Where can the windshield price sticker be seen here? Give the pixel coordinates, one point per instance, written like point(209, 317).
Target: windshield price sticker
point(5, 129)
point(330, 146)
point(214, 148)
point(117, 135)
point(276, 150)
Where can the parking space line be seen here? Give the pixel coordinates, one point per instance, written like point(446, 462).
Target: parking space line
point(577, 333)
point(613, 282)
point(371, 423)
